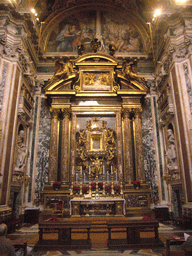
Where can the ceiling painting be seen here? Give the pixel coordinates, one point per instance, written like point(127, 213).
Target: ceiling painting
point(73, 31)
point(83, 27)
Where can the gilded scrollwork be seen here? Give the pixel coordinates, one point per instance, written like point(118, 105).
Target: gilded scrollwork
point(66, 113)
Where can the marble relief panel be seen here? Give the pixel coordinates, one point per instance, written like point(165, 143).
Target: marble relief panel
point(43, 147)
point(149, 149)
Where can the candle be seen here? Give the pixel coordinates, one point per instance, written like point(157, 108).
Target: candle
point(89, 170)
point(103, 169)
point(111, 169)
point(81, 171)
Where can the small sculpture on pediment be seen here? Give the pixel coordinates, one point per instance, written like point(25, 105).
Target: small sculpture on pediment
point(62, 71)
point(129, 71)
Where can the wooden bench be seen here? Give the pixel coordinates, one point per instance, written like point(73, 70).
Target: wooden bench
point(171, 241)
point(64, 229)
point(133, 239)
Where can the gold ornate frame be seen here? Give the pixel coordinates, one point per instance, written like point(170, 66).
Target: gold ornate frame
point(96, 142)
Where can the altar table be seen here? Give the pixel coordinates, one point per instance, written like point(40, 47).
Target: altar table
point(97, 207)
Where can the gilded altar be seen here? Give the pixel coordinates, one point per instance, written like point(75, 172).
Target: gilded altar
point(96, 147)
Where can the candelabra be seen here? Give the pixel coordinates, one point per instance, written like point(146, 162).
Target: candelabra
point(112, 185)
point(121, 185)
point(81, 184)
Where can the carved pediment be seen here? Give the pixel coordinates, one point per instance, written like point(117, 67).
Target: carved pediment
point(96, 73)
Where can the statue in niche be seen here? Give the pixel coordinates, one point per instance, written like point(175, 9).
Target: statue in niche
point(22, 152)
point(129, 71)
point(62, 71)
point(171, 150)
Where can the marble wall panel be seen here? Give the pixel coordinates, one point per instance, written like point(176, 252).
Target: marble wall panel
point(149, 149)
point(188, 84)
point(3, 80)
point(44, 133)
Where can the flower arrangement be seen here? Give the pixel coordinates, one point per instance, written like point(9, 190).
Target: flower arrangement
point(76, 189)
point(84, 190)
point(146, 218)
point(137, 182)
point(108, 189)
point(117, 188)
point(100, 184)
point(56, 185)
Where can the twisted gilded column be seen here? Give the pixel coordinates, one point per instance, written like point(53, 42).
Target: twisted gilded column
point(140, 172)
point(65, 145)
point(53, 159)
point(128, 156)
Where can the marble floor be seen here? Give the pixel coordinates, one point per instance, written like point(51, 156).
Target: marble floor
point(27, 232)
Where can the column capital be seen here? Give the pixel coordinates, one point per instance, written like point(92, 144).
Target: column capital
point(126, 112)
point(54, 113)
point(137, 112)
point(66, 112)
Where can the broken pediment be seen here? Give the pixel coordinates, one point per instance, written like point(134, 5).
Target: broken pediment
point(95, 73)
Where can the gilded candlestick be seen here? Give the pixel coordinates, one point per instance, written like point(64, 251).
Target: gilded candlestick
point(81, 185)
point(112, 185)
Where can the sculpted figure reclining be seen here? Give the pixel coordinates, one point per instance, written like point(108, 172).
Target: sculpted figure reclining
point(129, 71)
point(62, 71)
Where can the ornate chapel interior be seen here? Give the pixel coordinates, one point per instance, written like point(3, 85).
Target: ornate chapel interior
point(96, 107)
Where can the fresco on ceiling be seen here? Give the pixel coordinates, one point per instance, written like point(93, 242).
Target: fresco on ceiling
point(79, 29)
point(82, 28)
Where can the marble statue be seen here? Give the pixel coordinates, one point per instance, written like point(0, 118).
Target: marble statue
point(22, 151)
point(171, 150)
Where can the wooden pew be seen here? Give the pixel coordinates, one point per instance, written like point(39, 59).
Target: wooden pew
point(133, 239)
point(63, 228)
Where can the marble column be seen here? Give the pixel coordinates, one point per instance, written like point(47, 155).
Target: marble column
point(127, 141)
point(73, 142)
point(53, 159)
point(139, 156)
point(65, 146)
point(119, 145)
